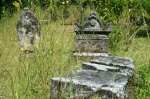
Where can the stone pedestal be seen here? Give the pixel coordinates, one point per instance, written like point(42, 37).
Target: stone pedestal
point(91, 43)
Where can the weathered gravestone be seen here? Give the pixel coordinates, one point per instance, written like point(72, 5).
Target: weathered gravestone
point(107, 77)
point(28, 29)
point(91, 38)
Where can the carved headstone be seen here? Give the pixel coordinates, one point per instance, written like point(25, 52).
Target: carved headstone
point(28, 29)
point(92, 36)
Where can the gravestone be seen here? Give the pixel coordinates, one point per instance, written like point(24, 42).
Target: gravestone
point(28, 29)
point(91, 38)
point(107, 77)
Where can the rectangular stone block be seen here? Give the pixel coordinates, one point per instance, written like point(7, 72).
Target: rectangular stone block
point(89, 54)
point(88, 82)
point(106, 76)
point(91, 43)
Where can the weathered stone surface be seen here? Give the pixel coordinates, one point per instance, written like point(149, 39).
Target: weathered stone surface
point(100, 83)
point(115, 61)
point(92, 36)
point(90, 54)
point(28, 29)
point(93, 25)
point(91, 43)
point(106, 75)
point(99, 77)
point(98, 67)
point(126, 65)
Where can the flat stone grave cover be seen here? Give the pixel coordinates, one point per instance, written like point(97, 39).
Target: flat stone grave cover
point(106, 80)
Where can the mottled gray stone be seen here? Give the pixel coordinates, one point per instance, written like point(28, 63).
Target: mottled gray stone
point(93, 25)
point(106, 75)
point(115, 61)
point(91, 37)
point(28, 29)
point(90, 54)
point(108, 84)
point(99, 77)
point(126, 65)
point(98, 67)
point(91, 43)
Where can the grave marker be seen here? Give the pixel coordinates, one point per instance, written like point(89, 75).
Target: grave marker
point(91, 38)
point(28, 29)
point(106, 76)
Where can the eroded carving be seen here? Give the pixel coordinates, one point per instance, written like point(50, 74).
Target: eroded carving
point(28, 29)
point(93, 25)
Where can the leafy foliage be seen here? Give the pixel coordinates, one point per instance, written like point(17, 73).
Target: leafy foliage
point(103, 7)
point(142, 88)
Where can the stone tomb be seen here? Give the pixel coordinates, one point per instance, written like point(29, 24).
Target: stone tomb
point(91, 38)
point(28, 29)
point(107, 77)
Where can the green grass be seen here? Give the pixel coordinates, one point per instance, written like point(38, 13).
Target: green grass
point(138, 50)
point(28, 77)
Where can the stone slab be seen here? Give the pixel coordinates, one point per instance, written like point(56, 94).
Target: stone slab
point(91, 37)
point(115, 61)
point(90, 81)
point(84, 54)
point(106, 76)
point(126, 65)
point(99, 67)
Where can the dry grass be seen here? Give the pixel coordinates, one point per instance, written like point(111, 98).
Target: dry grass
point(28, 77)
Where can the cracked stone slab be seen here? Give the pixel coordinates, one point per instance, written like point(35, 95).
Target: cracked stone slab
point(115, 61)
point(90, 81)
point(106, 76)
point(126, 65)
point(99, 67)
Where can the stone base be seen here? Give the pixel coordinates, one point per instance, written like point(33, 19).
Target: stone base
point(108, 84)
point(106, 77)
point(91, 43)
point(84, 54)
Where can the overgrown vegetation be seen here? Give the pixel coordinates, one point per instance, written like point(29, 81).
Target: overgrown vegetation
point(27, 77)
